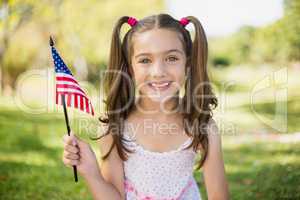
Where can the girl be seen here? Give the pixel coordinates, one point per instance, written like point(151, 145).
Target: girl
point(158, 117)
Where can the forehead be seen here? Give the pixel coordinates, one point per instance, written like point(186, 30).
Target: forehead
point(156, 41)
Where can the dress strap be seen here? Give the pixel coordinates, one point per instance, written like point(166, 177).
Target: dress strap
point(186, 143)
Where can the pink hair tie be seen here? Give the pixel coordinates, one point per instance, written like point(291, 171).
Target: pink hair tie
point(184, 21)
point(132, 21)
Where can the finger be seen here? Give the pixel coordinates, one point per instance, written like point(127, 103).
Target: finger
point(81, 143)
point(74, 138)
point(64, 138)
point(70, 163)
point(72, 156)
point(70, 139)
point(67, 138)
point(71, 149)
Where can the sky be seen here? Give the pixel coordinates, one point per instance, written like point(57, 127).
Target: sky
point(222, 17)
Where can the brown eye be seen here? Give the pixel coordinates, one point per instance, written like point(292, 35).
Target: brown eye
point(172, 58)
point(144, 61)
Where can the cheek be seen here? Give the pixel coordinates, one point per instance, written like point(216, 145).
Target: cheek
point(179, 76)
point(180, 79)
point(139, 75)
point(178, 73)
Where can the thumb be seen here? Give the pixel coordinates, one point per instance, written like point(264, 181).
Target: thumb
point(77, 141)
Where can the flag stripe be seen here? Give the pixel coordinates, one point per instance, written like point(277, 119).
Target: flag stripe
point(87, 106)
point(61, 78)
point(72, 101)
point(92, 109)
point(72, 93)
point(67, 82)
point(69, 99)
point(58, 74)
point(67, 85)
point(81, 103)
point(56, 98)
point(76, 101)
point(69, 90)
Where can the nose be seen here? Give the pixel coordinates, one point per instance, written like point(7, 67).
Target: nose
point(158, 69)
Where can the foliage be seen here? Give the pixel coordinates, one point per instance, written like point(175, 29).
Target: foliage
point(82, 32)
point(278, 42)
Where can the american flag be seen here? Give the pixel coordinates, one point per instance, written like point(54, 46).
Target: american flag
point(67, 85)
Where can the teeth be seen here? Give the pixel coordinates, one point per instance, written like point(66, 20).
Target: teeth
point(159, 85)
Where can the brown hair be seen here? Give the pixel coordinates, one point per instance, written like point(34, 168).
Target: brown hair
point(119, 91)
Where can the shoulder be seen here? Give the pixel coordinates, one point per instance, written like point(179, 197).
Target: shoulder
point(212, 129)
point(214, 140)
point(213, 134)
point(106, 141)
point(108, 146)
point(214, 154)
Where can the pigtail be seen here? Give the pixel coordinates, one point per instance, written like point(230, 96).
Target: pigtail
point(198, 63)
point(116, 62)
point(118, 89)
point(198, 90)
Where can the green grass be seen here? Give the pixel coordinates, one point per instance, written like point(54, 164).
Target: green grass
point(30, 157)
point(31, 166)
point(261, 170)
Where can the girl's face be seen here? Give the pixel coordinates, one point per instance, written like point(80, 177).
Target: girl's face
point(158, 63)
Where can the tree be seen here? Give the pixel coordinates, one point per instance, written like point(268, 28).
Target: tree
point(292, 28)
point(13, 15)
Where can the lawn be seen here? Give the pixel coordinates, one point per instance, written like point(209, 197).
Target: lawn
point(31, 167)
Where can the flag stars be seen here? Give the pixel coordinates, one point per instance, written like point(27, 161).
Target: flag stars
point(59, 64)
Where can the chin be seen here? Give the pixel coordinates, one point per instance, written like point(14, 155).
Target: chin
point(156, 97)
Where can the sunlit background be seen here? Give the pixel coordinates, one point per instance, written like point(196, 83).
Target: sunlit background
point(221, 18)
point(254, 66)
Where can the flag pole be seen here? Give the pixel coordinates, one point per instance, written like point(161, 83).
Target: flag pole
point(66, 119)
point(69, 130)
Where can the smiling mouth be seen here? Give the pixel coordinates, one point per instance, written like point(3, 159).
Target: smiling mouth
point(160, 85)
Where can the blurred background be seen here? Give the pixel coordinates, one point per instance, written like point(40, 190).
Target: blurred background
point(254, 65)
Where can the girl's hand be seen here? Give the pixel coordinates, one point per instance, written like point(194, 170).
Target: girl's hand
point(79, 153)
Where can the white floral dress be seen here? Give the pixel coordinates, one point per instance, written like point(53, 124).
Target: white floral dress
point(153, 175)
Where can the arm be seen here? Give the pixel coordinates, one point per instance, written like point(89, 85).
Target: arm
point(213, 168)
point(105, 183)
point(109, 183)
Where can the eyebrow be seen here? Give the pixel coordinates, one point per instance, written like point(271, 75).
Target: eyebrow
point(168, 51)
